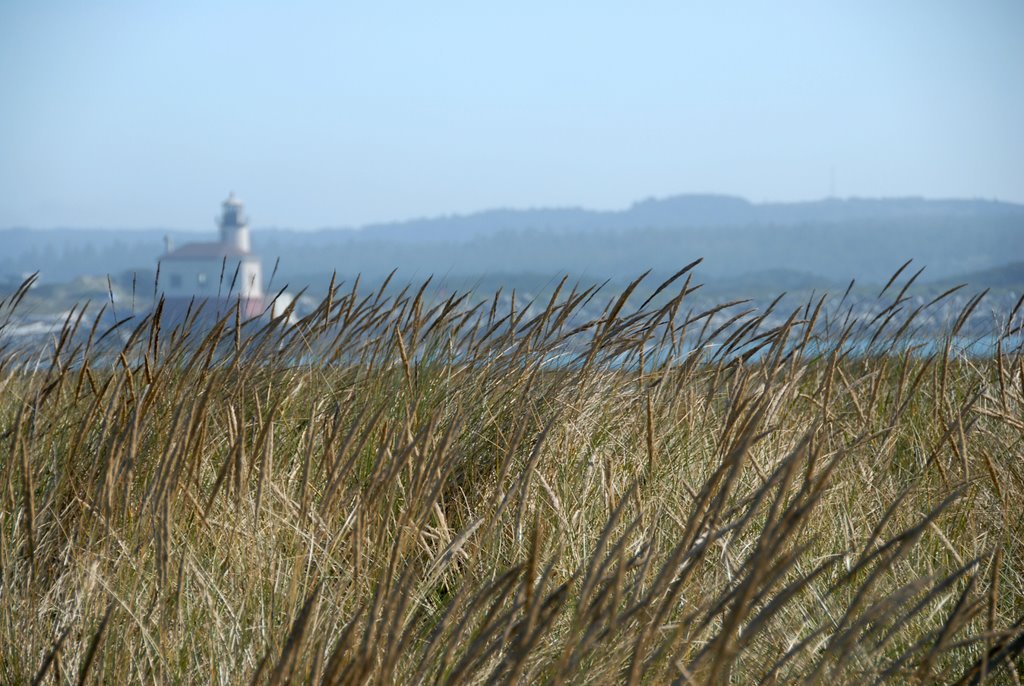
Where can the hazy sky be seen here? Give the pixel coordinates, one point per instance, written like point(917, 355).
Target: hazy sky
point(145, 114)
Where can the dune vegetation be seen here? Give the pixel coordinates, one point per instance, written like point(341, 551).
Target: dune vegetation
point(407, 488)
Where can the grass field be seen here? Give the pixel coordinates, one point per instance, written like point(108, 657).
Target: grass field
point(399, 489)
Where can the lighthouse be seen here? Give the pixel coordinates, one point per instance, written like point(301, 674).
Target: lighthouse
point(220, 273)
point(234, 225)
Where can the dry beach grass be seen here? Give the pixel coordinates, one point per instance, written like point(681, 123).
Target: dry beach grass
point(404, 490)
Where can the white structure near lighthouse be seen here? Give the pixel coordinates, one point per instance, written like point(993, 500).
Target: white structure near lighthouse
point(221, 273)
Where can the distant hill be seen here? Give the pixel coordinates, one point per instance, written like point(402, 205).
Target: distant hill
point(686, 211)
point(780, 244)
point(1007, 276)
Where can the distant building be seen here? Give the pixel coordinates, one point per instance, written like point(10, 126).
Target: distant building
point(221, 273)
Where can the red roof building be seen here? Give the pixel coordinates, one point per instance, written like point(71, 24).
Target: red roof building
point(224, 272)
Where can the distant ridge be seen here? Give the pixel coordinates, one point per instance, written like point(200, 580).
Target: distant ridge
point(1005, 276)
point(785, 243)
point(686, 210)
point(680, 212)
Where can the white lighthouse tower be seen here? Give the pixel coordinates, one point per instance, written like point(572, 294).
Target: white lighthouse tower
point(234, 225)
point(222, 273)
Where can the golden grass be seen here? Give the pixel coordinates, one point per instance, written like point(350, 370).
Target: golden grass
point(392, 491)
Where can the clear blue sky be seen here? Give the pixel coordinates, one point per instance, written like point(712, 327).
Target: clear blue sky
point(144, 114)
